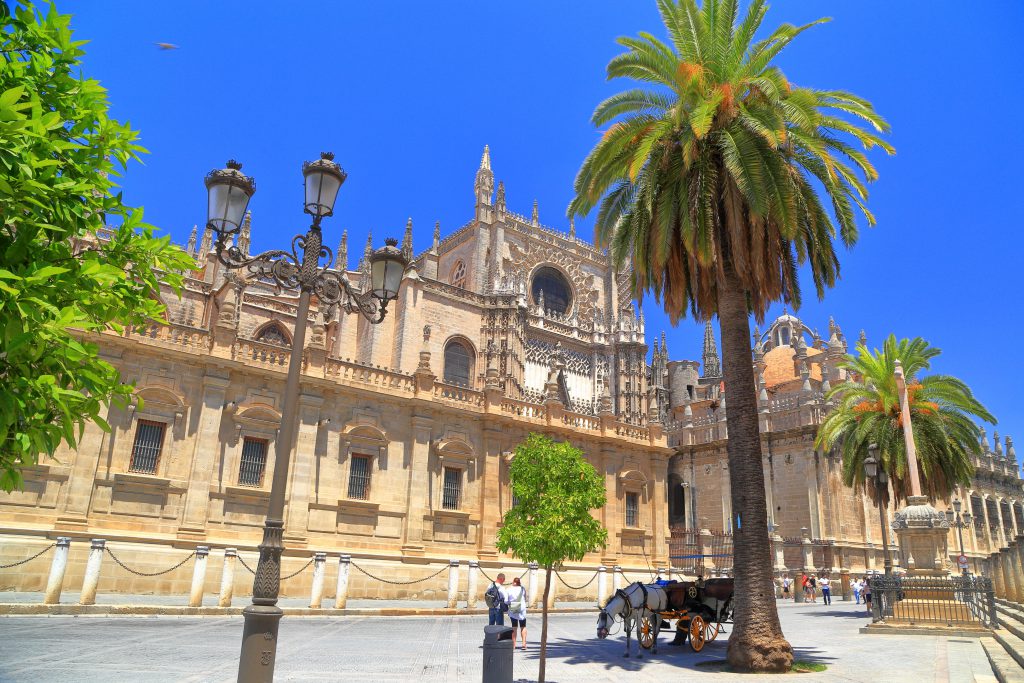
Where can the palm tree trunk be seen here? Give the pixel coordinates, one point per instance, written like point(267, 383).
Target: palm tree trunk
point(544, 627)
point(756, 642)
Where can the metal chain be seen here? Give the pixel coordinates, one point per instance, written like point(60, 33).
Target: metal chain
point(492, 580)
point(28, 559)
point(137, 573)
point(399, 583)
point(247, 567)
point(291, 576)
point(577, 588)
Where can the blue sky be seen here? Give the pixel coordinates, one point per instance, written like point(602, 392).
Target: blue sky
point(407, 94)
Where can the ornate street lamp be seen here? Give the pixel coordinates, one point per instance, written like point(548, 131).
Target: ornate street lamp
point(877, 474)
point(959, 522)
point(300, 268)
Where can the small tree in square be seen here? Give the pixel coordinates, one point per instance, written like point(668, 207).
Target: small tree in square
point(555, 489)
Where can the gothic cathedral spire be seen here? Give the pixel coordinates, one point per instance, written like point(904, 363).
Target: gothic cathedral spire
point(712, 367)
point(484, 186)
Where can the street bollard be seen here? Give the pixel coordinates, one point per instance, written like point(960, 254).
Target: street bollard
point(55, 583)
point(227, 578)
point(341, 594)
point(618, 580)
point(532, 576)
point(474, 571)
point(453, 584)
point(92, 572)
point(602, 586)
point(316, 596)
point(195, 598)
point(497, 654)
point(553, 589)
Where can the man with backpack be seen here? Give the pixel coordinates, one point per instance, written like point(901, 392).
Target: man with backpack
point(497, 601)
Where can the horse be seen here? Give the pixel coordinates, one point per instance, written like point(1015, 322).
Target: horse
point(633, 603)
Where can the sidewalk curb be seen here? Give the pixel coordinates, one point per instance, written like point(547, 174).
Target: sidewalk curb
point(22, 609)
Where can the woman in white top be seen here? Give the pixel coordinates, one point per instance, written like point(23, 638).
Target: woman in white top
point(517, 611)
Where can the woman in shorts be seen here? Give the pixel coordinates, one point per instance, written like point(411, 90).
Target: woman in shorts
point(517, 611)
point(866, 594)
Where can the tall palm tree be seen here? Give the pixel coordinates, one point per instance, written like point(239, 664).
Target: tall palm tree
point(711, 180)
point(868, 411)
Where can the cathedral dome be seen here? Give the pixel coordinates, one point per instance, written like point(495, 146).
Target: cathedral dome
point(781, 365)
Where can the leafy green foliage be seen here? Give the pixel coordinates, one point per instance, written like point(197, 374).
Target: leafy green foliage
point(64, 274)
point(712, 167)
point(555, 490)
point(868, 411)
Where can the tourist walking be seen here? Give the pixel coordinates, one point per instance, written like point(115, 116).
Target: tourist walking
point(517, 611)
point(826, 589)
point(866, 592)
point(496, 599)
point(855, 587)
point(786, 583)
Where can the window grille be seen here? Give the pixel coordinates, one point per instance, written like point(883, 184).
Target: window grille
point(149, 441)
point(457, 364)
point(254, 461)
point(452, 493)
point(632, 510)
point(359, 478)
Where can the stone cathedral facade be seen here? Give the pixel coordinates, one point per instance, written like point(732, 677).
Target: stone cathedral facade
point(503, 327)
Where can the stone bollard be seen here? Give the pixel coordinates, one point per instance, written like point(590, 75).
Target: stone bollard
point(553, 590)
point(227, 578)
point(55, 584)
point(602, 586)
point(618, 580)
point(453, 584)
point(92, 572)
point(534, 586)
point(195, 598)
point(474, 572)
point(341, 594)
point(316, 594)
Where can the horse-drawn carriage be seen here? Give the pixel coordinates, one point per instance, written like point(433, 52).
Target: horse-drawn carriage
point(700, 609)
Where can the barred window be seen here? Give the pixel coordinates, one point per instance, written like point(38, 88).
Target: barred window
point(452, 493)
point(457, 363)
point(632, 509)
point(149, 441)
point(254, 461)
point(359, 477)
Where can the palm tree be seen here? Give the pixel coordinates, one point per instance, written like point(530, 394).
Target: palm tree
point(868, 411)
point(706, 180)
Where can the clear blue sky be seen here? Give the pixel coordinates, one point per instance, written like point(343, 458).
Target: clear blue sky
point(407, 94)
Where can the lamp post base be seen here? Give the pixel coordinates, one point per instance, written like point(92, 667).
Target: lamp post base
point(259, 643)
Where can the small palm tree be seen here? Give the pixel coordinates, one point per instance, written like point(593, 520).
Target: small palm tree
point(868, 411)
point(713, 180)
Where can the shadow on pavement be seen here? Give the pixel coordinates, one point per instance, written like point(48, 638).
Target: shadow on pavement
point(844, 614)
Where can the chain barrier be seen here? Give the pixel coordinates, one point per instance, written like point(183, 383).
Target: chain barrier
point(577, 588)
point(247, 567)
point(292, 576)
point(29, 559)
point(400, 583)
point(137, 573)
point(492, 580)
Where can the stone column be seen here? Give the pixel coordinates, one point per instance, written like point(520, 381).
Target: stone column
point(341, 594)
point(206, 446)
point(316, 593)
point(532, 576)
point(297, 511)
point(618, 580)
point(419, 503)
point(453, 584)
point(471, 583)
point(1008, 555)
point(1020, 561)
point(602, 586)
point(659, 516)
point(780, 553)
point(92, 572)
point(490, 492)
point(195, 598)
point(997, 575)
point(55, 583)
point(227, 578)
point(707, 550)
point(77, 493)
point(553, 590)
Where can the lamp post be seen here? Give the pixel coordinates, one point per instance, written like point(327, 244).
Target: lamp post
point(300, 268)
point(877, 474)
point(959, 522)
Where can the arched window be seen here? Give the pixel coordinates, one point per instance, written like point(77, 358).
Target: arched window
point(458, 274)
point(556, 290)
point(273, 334)
point(458, 363)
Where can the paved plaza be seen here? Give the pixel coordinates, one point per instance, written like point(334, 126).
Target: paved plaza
point(429, 649)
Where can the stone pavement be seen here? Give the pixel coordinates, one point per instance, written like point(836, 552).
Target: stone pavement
point(436, 649)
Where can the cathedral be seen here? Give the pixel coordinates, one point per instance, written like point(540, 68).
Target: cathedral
point(501, 328)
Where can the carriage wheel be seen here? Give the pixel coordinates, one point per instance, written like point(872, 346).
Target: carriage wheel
point(645, 634)
point(697, 630)
point(711, 631)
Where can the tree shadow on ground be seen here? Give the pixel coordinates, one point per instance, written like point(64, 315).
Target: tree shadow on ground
point(842, 614)
point(608, 653)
